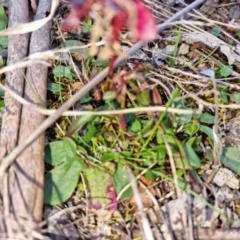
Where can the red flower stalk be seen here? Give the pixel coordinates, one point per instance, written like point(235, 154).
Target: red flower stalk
point(122, 12)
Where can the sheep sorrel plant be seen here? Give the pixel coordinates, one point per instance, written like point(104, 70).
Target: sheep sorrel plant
point(111, 16)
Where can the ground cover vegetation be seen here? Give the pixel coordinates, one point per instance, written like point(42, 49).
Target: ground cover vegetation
point(152, 151)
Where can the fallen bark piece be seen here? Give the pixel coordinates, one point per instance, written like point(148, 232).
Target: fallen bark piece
point(17, 50)
point(23, 189)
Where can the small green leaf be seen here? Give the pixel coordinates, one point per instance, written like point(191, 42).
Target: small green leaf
point(223, 96)
point(2, 92)
point(1, 105)
point(192, 157)
point(230, 157)
point(91, 130)
point(215, 31)
point(206, 130)
point(109, 95)
point(226, 70)
point(206, 118)
point(54, 87)
point(135, 126)
point(108, 157)
point(143, 98)
point(62, 71)
point(235, 96)
point(147, 125)
point(121, 180)
point(84, 51)
point(87, 26)
point(191, 128)
point(86, 98)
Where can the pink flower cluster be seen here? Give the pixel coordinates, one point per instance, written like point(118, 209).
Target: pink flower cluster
point(120, 13)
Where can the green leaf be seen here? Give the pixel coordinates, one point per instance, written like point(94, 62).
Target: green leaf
point(143, 98)
point(235, 96)
point(192, 157)
point(135, 126)
point(62, 71)
point(206, 130)
point(129, 117)
point(147, 125)
point(101, 187)
point(4, 41)
point(55, 153)
point(87, 26)
point(86, 98)
point(110, 95)
point(60, 183)
point(206, 118)
point(1, 105)
point(121, 180)
point(230, 157)
point(226, 70)
point(2, 92)
point(91, 130)
point(78, 123)
point(83, 52)
point(215, 31)
point(184, 118)
point(223, 96)
point(191, 128)
point(3, 23)
point(109, 156)
point(54, 87)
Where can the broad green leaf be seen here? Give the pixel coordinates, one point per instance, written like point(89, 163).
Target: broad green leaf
point(230, 157)
point(101, 189)
point(192, 157)
point(235, 96)
point(70, 149)
point(62, 71)
point(121, 180)
point(83, 52)
point(55, 153)
point(54, 87)
point(59, 183)
point(206, 118)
